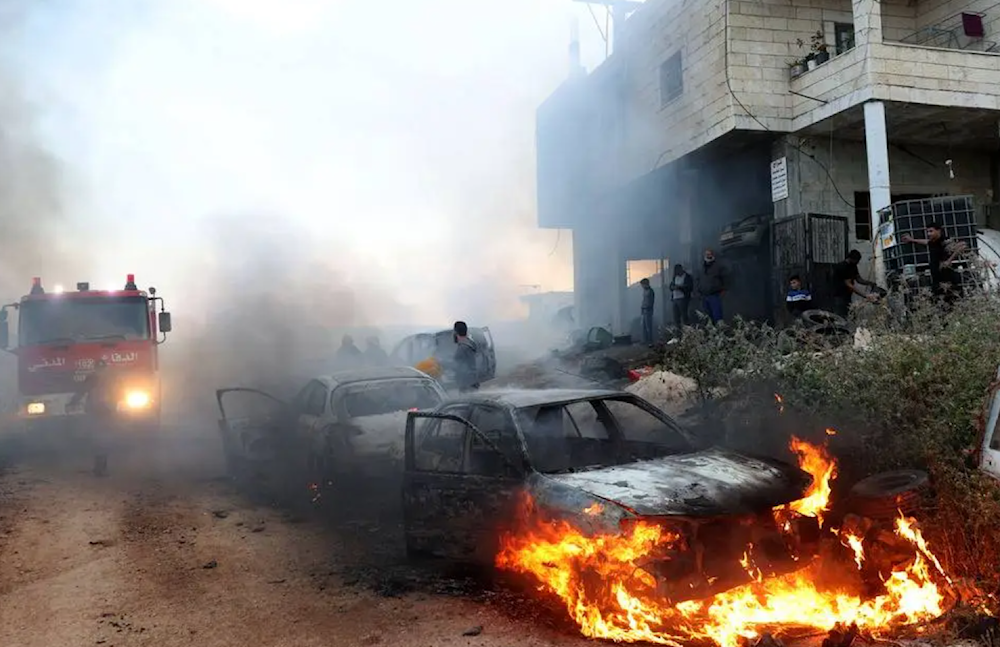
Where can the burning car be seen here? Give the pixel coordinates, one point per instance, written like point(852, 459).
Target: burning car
point(339, 425)
point(605, 461)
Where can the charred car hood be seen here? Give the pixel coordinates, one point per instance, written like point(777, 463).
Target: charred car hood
point(709, 483)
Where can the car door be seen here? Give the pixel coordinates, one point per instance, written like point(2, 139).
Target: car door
point(454, 502)
point(434, 456)
point(990, 449)
point(250, 441)
point(493, 478)
point(486, 356)
point(308, 409)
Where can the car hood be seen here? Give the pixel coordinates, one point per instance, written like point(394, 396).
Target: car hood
point(707, 483)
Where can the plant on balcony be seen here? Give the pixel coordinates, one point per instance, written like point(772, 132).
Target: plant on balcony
point(797, 67)
point(819, 49)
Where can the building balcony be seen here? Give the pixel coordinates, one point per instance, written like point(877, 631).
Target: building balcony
point(946, 64)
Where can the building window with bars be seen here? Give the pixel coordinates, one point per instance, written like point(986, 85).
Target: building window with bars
point(671, 79)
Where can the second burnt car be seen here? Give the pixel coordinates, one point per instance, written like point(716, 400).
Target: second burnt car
point(338, 426)
point(602, 460)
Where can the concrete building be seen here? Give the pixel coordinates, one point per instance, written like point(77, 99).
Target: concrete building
point(695, 121)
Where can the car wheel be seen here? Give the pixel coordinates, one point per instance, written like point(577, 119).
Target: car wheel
point(886, 495)
point(817, 317)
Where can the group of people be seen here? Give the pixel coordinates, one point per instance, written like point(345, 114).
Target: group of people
point(712, 282)
point(711, 285)
point(848, 282)
point(350, 356)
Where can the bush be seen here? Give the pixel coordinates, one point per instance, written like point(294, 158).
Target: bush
point(912, 399)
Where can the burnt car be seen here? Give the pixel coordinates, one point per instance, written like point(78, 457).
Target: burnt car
point(601, 460)
point(441, 345)
point(345, 424)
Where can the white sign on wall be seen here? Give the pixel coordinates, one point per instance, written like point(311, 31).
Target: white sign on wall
point(779, 179)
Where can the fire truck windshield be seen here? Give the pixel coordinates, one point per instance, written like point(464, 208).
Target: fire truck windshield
point(80, 319)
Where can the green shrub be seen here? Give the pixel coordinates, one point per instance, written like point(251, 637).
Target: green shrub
point(911, 400)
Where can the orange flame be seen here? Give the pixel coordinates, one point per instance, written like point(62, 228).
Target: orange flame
point(607, 586)
point(814, 460)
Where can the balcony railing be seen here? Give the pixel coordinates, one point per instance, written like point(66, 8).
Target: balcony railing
point(964, 31)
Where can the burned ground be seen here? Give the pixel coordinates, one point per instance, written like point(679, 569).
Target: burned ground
point(166, 551)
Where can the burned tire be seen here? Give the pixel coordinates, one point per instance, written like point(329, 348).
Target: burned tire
point(886, 495)
point(816, 317)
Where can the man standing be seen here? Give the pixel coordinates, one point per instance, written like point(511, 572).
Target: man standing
point(375, 355)
point(944, 280)
point(464, 363)
point(712, 286)
point(100, 404)
point(648, 299)
point(846, 280)
point(681, 287)
point(348, 355)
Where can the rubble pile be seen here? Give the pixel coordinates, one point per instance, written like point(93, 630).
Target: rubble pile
point(671, 392)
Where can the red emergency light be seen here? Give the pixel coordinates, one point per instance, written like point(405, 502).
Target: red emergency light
point(130, 282)
point(36, 286)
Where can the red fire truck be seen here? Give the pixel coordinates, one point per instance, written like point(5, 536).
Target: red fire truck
point(64, 336)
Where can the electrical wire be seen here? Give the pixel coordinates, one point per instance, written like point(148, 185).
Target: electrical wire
point(597, 23)
point(556, 245)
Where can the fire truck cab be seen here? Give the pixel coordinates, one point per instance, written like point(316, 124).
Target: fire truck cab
point(62, 337)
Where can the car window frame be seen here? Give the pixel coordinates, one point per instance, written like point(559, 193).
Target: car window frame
point(667, 420)
point(456, 410)
point(337, 400)
point(518, 462)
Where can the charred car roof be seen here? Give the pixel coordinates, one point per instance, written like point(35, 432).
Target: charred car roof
point(523, 398)
point(351, 376)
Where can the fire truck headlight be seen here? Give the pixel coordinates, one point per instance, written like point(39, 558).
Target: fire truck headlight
point(35, 408)
point(137, 400)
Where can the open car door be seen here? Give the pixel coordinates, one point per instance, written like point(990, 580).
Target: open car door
point(486, 357)
point(248, 440)
point(989, 449)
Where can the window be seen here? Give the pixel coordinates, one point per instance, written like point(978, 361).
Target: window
point(83, 318)
point(671, 79)
point(439, 444)
point(314, 399)
point(498, 428)
point(582, 416)
point(843, 33)
point(638, 425)
point(388, 396)
point(862, 215)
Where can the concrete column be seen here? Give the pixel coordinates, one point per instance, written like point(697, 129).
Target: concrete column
point(867, 22)
point(877, 147)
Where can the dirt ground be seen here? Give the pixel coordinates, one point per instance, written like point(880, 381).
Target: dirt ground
point(166, 552)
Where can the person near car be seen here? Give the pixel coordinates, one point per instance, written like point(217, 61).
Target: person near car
point(681, 287)
point(846, 280)
point(100, 402)
point(941, 252)
point(648, 300)
point(375, 355)
point(464, 363)
point(712, 285)
point(348, 355)
point(798, 299)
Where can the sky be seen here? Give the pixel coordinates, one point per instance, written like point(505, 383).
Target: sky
point(386, 147)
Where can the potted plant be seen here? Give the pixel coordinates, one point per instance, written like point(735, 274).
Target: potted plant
point(797, 67)
point(819, 50)
point(811, 61)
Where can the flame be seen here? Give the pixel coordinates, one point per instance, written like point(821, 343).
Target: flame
point(604, 587)
point(830, 431)
point(594, 509)
point(606, 584)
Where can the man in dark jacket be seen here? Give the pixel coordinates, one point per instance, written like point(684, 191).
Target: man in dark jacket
point(846, 280)
point(648, 300)
point(712, 286)
point(464, 362)
point(348, 355)
point(681, 287)
point(375, 355)
point(941, 253)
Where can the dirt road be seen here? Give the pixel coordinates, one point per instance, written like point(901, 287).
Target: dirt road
point(165, 552)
